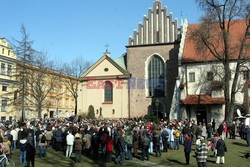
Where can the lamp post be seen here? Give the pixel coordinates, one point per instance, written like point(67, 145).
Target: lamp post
point(157, 102)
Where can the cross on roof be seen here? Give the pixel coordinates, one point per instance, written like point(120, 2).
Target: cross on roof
point(106, 46)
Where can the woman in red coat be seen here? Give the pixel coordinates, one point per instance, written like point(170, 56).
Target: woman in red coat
point(109, 148)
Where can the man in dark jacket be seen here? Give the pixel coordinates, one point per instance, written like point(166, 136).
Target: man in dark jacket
point(119, 147)
point(145, 146)
point(221, 149)
point(30, 148)
point(247, 131)
point(135, 143)
point(187, 148)
point(156, 143)
point(58, 139)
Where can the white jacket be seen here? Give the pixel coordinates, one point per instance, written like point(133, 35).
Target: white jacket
point(14, 133)
point(70, 139)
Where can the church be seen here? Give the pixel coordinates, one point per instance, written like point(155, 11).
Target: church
point(140, 82)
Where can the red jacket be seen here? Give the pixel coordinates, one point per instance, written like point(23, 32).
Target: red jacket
point(109, 144)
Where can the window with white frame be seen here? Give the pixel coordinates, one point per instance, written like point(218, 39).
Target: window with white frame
point(191, 77)
point(4, 105)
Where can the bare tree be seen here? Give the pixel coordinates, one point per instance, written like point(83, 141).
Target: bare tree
point(25, 55)
point(214, 35)
point(41, 79)
point(74, 71)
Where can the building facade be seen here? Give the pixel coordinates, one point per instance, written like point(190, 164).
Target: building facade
point(104, 86)
point(7, 80)
point(199, 90)
point(148, 70)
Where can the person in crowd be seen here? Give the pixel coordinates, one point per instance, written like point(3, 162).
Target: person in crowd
point(129, 143)
point(49, 136)
point(70, 141)
point(156, 143)
point(135, 143)
point(95, 144)
point(177, 135)
point(209, 130)
point(30, 147)
point(225, 129)
point(204, 131)
point(87, 142)
point(171, 137)
point(199, 130)
point(58, 139)
point(247, 131)
point(214, 142)
point(119, 146)
point(187, 148)
point(22, 148)
point(42, 145)
point(78, 148)
point(213, 125)
point(109, 148)
point(201, 152)
point(165, 136)
point(194, 132)
point(221, 149)
point(7, 146)
point(145, 146)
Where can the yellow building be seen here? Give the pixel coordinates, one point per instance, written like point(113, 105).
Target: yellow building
point(58, 101)
point(48, 89)
point(7, 80)
point(104, 86)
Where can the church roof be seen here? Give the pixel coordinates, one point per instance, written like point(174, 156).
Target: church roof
point(192, 52)
point(202, 99)
point(121, 61)
point(108, 58)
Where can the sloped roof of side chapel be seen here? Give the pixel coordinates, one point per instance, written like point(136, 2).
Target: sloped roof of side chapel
point(123, 72)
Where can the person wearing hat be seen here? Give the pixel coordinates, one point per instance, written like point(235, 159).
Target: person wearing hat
point(78, 147)
point(201, 153)
point(187, 148)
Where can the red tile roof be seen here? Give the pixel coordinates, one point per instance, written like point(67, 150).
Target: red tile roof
point(202, 99)
point(192, 54)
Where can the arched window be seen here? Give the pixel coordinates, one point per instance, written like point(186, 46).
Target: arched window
point(108, 92)
point(156, 80)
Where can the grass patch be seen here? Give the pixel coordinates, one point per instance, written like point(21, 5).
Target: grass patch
point(233, 158)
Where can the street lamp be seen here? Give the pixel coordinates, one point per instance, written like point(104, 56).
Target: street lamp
point(157, 102)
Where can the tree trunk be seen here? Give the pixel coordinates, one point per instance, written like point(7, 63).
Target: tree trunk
point(75, 106)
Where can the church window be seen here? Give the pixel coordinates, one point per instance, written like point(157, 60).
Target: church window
point(108, 91)
point(191, 77)
point(156, 79)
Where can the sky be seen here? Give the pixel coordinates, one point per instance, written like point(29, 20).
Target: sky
point(67, 29)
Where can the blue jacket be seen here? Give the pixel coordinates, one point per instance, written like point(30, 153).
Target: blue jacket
point(187, 145)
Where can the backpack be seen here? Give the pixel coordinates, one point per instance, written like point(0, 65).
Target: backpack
point(43, 139)
point(146, 141)
point(177, 134)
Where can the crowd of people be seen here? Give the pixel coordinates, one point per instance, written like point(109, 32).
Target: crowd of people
point(123, 138)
